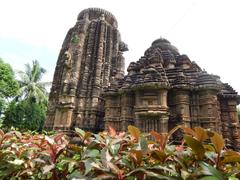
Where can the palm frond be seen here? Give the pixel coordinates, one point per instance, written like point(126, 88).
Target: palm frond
point(31, 87)
point(24, 78)
point(45, 84)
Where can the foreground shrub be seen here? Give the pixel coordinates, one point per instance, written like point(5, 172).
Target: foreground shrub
point(111, 155)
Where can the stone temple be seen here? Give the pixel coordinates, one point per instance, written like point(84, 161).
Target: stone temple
point(161, 90)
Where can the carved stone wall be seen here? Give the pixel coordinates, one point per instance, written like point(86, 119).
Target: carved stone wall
point(90, 58)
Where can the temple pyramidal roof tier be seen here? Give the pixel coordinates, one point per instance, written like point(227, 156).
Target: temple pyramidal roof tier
point(162, 66)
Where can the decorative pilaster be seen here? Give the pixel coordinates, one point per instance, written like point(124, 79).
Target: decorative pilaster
point(126, 111)
point(209, 115)
point(181, 103)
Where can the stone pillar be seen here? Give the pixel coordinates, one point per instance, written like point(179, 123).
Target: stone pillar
point(194, 109)
point(182, 102)
point(162, 98)
point(209, 115)
point(163, 121)
point(137, 121)
point(126, 110)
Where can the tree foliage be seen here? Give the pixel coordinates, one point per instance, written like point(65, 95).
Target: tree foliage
point(31, 86)
point(25, 115)
point(27, 110)
point(8, 84)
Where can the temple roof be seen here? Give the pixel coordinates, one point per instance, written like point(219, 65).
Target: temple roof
point(162, 66)
point(164, 45)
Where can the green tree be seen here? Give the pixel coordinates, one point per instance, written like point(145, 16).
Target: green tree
point(31, 87)
point(8, 84)
point(28, 109)
point(25, 115)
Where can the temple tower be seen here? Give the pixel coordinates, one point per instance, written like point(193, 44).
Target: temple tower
point(90, 59)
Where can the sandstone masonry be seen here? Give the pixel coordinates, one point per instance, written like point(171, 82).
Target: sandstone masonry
point(161, 90)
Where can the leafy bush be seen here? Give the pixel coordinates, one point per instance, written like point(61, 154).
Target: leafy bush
point(111, 155)
point(25, 115)
point(8, 85)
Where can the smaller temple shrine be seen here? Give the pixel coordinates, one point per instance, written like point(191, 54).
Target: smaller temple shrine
point(165, 88)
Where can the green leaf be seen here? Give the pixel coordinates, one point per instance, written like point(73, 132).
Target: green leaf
point(71, 165)
point(88, 166)
point(195, 145)
point(210, 170)
point(76, 175)
point(148, 174)
point(92, 153)
point(143, 143)
point(209, 178)
point(115, 149)
point(233, 178)
point(80, 132)
point(124, 161)
point(135, 132)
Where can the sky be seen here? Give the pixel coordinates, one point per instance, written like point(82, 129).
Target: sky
point(208, 31)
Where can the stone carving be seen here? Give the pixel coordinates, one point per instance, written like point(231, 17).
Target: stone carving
point(164, 89)
point(91, 57)
point(67, 71)
point(161, 90)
